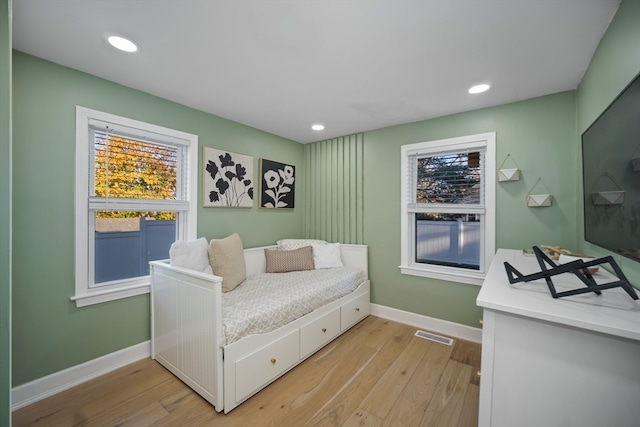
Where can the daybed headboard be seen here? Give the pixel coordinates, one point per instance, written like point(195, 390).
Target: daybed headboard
point(352, 256)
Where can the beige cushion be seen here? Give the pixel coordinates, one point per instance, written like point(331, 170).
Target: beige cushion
point(283, 261)
point(291, 244)
point(227, 261)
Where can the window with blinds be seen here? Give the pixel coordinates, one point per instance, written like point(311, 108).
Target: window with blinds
point(446, 214)
point(449, 178)
point(135, 196)
point(449, 235)
point(130, 168)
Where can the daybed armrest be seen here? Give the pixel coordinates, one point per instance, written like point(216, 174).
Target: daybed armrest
point(255, 259)
point(355, 256)
point(166, 266)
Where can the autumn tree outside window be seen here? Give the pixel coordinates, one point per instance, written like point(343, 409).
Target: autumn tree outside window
point(127, 172)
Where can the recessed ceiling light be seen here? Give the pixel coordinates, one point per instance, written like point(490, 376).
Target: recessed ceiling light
point(122, 43)
point(479, 88)
point(317, 127)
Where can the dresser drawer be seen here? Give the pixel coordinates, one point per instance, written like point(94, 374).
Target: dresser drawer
point(355, 310)
point(264, 365)
point(319, 332)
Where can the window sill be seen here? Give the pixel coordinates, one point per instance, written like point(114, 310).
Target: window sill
point(103, 295)
point(451, 276)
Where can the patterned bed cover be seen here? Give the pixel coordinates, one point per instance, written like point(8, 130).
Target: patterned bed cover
point(264, 302)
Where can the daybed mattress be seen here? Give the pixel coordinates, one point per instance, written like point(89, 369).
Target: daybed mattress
point(264, 302)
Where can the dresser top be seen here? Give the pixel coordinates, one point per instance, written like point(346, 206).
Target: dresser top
point(613, 312)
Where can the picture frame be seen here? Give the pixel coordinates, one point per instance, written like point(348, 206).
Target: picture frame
point(277, 185)
point(228, 179)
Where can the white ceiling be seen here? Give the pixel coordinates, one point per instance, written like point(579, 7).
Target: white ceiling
point(281, 66)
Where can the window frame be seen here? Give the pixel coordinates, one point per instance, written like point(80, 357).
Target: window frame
point(484, 141)
point(186, 223)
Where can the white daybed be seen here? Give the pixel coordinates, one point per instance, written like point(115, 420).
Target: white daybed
point(187, 334)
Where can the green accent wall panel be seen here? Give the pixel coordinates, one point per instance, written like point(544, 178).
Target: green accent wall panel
point(334, 191)
point(614, 64)
point(49, 333)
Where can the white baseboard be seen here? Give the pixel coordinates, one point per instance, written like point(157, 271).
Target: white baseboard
point(41, 388)
point(432, 324)
point(44, 387)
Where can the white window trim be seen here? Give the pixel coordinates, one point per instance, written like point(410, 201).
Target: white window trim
point(83, 294)
point(408, 266)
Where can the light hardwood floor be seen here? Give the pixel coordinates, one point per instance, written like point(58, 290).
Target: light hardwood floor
point(376, 374)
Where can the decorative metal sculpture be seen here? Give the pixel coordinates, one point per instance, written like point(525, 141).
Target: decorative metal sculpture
point(579, 268)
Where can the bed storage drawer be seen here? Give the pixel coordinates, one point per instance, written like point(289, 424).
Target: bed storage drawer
point(355, 310)
point(319, 332)
point(259, 368)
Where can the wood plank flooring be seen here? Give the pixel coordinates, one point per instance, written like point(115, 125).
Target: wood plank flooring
point(376, 374)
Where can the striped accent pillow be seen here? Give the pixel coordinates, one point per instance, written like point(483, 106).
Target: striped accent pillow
point(283, 261)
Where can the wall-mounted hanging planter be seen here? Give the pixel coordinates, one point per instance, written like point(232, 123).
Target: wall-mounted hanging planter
point(607, 197)
point(508, 174)
point(539, 200)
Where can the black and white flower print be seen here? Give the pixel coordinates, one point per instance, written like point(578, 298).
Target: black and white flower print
point(228, 179)
point(278, 184)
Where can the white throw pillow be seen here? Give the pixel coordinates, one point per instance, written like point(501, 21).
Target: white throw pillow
point(191, 254)
point(291, 244)
point(327, 256)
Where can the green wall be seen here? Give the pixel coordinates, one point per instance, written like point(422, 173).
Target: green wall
point(542, 135)
point(5, 212)
point(615, 63)
point(538, 133)
point(49, 332)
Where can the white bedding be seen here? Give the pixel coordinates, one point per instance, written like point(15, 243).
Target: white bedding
point(267, 301)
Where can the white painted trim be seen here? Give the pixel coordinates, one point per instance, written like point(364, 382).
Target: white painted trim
point(85, 293)
point(440, 326)
point(44, 387)
point(486, 141)
point(444, 273)
point(100, 296)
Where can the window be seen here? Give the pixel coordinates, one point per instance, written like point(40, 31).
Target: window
point(136, 193)
point(448, 208)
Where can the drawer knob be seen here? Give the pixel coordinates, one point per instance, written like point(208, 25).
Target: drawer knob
point(324, 329)
point(481, 322)
point(357, 308)
point(273, 360)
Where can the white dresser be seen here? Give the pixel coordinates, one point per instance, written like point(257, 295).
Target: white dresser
point(572, 361)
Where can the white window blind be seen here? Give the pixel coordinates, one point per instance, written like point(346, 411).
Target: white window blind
point(451, 181)
point(130, 170)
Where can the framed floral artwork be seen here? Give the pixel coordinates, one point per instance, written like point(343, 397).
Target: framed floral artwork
point(278, 184)
point(227, 179)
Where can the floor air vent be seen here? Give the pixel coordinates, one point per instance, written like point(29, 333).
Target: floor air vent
point(434, 337)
